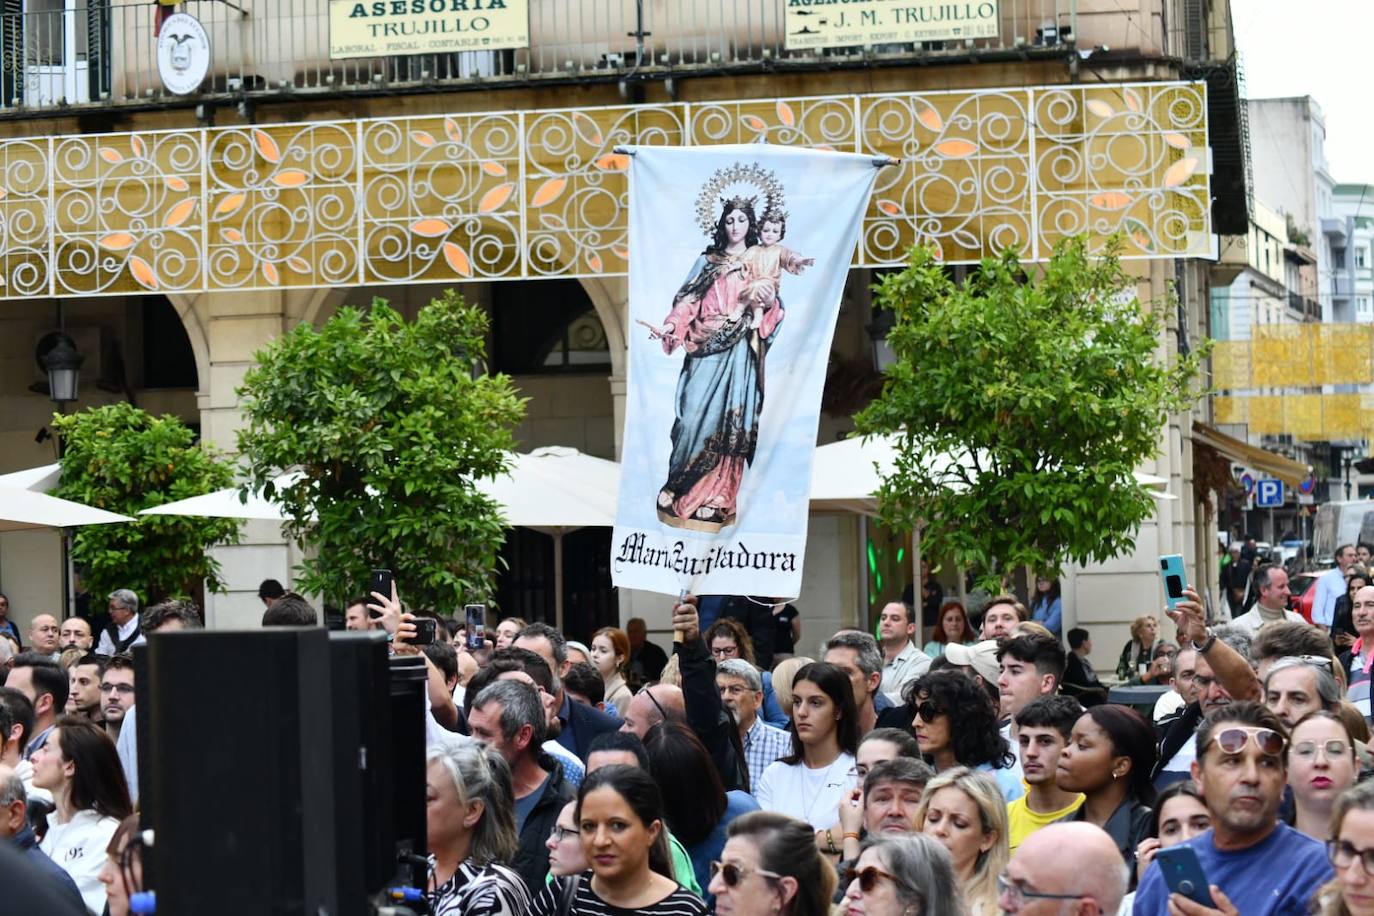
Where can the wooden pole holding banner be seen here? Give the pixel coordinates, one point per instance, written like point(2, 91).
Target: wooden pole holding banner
point(558, 581)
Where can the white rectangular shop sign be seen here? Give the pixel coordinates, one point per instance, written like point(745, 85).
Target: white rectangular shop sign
point(385, 28)
point(857, 23)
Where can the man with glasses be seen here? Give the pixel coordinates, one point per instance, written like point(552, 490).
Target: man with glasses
point(741, 690)
point(1259, 864)
point(1067, 870)
point(117, 694)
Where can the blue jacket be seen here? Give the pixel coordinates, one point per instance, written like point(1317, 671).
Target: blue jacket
point(581, 724)
point(772, 709)
point(27, 844)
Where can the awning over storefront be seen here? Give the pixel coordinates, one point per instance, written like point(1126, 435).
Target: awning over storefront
point(1252, 456)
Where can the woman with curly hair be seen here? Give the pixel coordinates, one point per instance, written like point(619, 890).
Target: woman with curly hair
point(939, 696)
point(727, 638)
point(1110, 754)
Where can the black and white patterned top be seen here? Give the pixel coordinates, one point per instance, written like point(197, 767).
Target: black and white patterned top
point(481, 890)
point(681, 902)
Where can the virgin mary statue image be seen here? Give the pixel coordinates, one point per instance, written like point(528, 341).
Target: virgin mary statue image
point(725, 336)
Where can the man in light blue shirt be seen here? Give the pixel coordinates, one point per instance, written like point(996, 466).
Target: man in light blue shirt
point(1331, 586)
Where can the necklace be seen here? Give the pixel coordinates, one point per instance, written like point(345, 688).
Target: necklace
point(819, 792)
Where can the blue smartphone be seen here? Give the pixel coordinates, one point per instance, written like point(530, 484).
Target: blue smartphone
point(1175, 578)
point(1183, 874)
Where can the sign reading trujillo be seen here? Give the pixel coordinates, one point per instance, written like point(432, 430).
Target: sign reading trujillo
point(848, 23)
point(382, 28)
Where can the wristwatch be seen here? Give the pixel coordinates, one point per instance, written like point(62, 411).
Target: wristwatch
point(1206, 643)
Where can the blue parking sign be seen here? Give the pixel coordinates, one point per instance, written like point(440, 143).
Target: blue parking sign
point(1269, 493)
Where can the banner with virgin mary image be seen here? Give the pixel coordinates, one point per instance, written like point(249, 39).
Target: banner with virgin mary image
point(738, 259)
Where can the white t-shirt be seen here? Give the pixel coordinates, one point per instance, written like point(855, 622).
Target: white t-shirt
point(808, 795)
point(79, 847)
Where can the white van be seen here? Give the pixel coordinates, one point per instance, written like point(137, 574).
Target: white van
point(1341, 523)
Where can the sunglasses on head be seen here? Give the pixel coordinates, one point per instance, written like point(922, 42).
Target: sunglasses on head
point(1233, 740)
point(868, 878)
point(733, 874)
point(929, 711)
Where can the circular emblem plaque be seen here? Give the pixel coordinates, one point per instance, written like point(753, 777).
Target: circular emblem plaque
point(183, 54)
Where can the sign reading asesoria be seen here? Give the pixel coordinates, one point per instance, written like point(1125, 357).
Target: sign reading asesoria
point(738, 258)
point(847, 23)
point(380, 28)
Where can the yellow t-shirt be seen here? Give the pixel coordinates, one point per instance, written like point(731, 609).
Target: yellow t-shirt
point(1022, 821)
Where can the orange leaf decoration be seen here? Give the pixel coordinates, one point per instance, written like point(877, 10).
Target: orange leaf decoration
point(232, 235)
point(143, 272)
point(269, 270)
point(594, 261)
point(1178, 141)
point(1111, 200)
point(457, 259)
point(956, 149)
point(454, 132)
point(587, 129)
point(290, 178)
point(785, 114)
point(111, 156)
point(180, 213)
point(430, 228)
point(137, 144)
point(267, 147)
point(495, 198)
point(548, 192)
point(1180, 171)
point(931, 119)
point(231, 203)
point(3, 193)
point(116, 241)
point(1100, 108)
point(613, 162)
point(422, 137)
point(622, 253)
point(754, 123)
point(890, 207)
point(1132, 100)
point(177, 184)
point(299, 265)
point(494, 168)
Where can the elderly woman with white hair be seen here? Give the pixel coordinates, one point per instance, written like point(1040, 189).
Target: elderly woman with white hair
point(470, 815)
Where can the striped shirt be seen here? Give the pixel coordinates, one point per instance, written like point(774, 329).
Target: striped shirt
point(681, 902)
point(762, 745)
point(480, 890)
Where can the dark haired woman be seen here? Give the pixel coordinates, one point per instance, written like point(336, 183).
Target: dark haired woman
point(1179, 815)
point(620, 817)
point(809, 783)
point(698, 809)
point(1048, 607)
point(720, 389)
point(941, 697)
point(1108, 758)
point(79, 765)
point(770, 867)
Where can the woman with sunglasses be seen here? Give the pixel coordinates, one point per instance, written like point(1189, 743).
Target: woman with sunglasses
point(974, 742)
point(470, 827)
point(620, 816)
point(810, 783)
point(1321, 765)
point(1108, 758)
point(965, 813)
point(903, 876)
point(770, 867)
point(1351, 851)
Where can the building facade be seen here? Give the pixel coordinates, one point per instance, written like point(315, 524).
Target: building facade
point(176, 234)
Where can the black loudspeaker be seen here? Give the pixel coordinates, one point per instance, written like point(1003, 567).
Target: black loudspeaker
point(365, 829)
point(409, 680)
point(241, 766)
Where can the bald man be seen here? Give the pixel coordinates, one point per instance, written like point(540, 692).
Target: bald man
point(1076, 866)
point(43, 635)
point(648, 706)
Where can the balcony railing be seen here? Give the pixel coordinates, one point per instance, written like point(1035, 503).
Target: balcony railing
point(103, 52)
point(1305, 307)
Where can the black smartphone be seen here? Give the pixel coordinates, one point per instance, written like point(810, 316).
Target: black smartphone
point(475, 616)
point(380, 582)
point(425, 630)
point(1183, 874)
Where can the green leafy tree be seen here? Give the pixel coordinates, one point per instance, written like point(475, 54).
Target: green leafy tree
point(389, 424)
point(124, 459)
point(1022, 404)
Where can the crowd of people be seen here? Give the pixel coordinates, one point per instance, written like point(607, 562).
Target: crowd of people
point(945, 765)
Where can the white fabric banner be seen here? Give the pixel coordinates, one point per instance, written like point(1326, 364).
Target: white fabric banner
point(738, 259)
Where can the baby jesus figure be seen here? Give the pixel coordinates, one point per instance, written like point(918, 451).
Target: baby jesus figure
point(763, 266)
